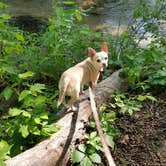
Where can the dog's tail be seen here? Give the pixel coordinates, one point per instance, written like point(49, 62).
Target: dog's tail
point(63, 85)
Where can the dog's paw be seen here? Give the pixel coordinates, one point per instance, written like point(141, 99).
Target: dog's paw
point(72, 109)
point(82, 92)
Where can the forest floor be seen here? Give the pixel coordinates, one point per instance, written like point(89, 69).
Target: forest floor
point(142, 141)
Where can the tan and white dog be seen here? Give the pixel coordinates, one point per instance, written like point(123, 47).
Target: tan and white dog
point(73, 80)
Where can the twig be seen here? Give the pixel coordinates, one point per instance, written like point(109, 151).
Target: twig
point(100, 131)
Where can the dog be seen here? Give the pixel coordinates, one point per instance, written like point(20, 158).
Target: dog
point(72, 81)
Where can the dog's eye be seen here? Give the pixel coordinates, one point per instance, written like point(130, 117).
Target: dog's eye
point(98, 60)
point(105, 58)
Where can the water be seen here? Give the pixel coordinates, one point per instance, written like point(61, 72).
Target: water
point(112, 17)
point(34, 8)
point(109, 16)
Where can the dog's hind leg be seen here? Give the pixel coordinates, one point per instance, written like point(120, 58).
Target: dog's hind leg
point(61, 99)
point(72, 101)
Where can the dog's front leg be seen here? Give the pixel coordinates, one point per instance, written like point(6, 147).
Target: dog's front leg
point(92, 84)
point(82, 89)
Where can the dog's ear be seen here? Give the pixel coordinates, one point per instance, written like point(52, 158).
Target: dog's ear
point(91, 51)
point(104, 48)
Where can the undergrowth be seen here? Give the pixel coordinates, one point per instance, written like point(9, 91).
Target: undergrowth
point(31, 64)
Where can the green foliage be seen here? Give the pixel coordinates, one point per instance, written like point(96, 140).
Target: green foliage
point(158, 78)
point(26, 59)
point(128, 105)
point(62, 45)
point(89, 153)
point(4, 151)
point(137, 63)
point(28, 122)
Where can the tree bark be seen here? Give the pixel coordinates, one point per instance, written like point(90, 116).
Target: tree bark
point(56, 150)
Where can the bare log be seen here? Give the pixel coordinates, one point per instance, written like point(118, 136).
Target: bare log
point(56, 150)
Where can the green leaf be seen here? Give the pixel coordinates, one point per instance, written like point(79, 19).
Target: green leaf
point(86, 162)
point(68, 2)
point(120, 104)
point(2, 163)
point(19, 37)
point(34, 130)
point(40, 100)
point(43, 115)
point(9, 49)
point(26, 114)
point(5, 16)
point(4, 148)
point(151, 98)
point(95, 158)
point(110, 141)
point(37, 87)
point(144, 97)
point(37, 120)
point(124, 109)
point(47, 130)
point(130, 111)
point(93, 134)
point(77, 156)
point(24, 131)
point(15, 111)
point(78, 16)
point(141, 97)
point(7, 92)
point(111, 116)
point(103, 107)
point(23, 94)
point(26, 75)
point(82, 147)
point(2, 5)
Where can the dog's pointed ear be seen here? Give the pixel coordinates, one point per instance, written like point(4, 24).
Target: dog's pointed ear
point(104, 47)
point(91, 51)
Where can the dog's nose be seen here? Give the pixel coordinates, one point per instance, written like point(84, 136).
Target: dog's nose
point(104, 65)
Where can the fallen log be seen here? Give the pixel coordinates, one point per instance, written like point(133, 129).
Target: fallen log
point(56, 150)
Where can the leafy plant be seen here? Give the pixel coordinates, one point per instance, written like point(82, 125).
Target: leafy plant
point(86, 154)
point(30, 121)
point(129, 104)
point(159, 78)
point(4, 152)
point(60, 47)
point(90, 152)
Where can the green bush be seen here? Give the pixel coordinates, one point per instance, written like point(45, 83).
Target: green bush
point(64, 43)
point(141, 64)
point(30, 121)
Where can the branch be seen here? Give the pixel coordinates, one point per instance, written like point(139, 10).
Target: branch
point(100, 131)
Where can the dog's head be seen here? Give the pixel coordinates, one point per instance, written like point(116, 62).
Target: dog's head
point(99, 59)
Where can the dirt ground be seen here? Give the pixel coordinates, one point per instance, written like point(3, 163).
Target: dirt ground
point(142, 141)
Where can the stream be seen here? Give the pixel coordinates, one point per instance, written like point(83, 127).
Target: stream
point(112, 17)
point(108, 17)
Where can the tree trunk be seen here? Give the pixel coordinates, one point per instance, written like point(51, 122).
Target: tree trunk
point(56, 150)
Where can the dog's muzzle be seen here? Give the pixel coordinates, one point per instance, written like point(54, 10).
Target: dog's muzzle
point(104, 65)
